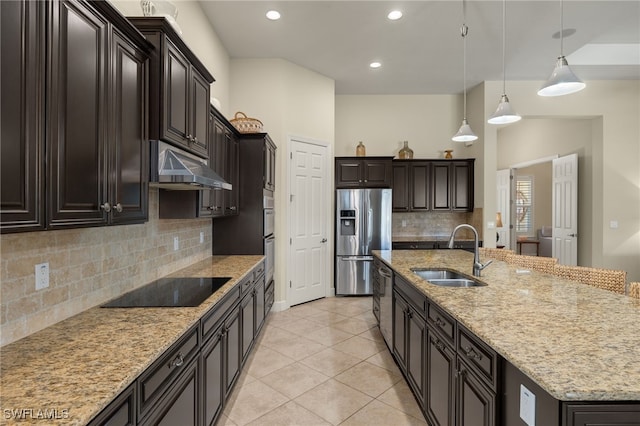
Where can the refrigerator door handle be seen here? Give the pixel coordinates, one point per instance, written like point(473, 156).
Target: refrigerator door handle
point(346, 258)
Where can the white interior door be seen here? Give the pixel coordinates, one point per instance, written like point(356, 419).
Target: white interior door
point(503, 181)
point(565, 209)
point(309, 210)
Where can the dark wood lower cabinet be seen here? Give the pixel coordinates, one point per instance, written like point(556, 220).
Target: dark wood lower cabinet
point(121, 412)
point(476, 403)
point(440, 382)
point(247, 315)
point(212, 377)
point(409, 343)
point(190, 383)
point(180, 404)
point(260, 305)
point(232, 350)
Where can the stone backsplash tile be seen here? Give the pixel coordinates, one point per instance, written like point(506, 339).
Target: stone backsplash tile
point(89, 266)
point(435, 224)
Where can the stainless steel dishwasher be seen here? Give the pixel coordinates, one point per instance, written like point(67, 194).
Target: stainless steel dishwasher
point(386, 304)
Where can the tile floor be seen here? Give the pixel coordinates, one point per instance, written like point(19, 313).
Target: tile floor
point(322, 363)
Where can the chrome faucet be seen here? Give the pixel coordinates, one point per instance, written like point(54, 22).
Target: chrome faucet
point(477, 266)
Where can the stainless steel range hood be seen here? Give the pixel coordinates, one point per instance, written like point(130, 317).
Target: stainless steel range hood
point(175, 169)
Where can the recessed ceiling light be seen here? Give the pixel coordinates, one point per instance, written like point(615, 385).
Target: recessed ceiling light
point(394, 15)
point(274, 15)
point(375, 65)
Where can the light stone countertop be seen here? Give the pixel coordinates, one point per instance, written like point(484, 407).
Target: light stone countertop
point(579, 343)
point(81, 364)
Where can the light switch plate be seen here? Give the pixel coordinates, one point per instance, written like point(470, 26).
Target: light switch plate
point(527, 406)
point(176, 243)
point(201, 237)
point(613, 224)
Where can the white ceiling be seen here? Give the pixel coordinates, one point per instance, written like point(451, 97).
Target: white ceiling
point(422, 52)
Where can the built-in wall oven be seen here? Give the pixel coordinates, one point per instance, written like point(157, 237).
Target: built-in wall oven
point(268, 235)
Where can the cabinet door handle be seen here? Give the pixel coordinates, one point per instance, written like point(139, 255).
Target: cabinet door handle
point(177, 361)
point(118, 207)
point(106, 207)
point(439, 345)
point(234, 208)
point(440, 323)
point(472, 353)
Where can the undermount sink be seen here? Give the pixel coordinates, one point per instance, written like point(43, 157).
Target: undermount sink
point(446, 278)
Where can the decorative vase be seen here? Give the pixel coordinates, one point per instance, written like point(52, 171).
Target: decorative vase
point(361, 150)
point(405, 153)
point(447, 153)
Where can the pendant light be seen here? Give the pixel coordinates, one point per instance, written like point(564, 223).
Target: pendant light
point(504, 114)
point(465, 134)
point(562, 81)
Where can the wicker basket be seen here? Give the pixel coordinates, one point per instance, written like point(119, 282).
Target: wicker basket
point(246, 124)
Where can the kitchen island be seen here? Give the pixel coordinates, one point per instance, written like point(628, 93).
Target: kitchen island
point(71, 371)
point(579, 344)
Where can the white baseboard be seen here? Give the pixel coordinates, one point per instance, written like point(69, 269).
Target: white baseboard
point(279, 306)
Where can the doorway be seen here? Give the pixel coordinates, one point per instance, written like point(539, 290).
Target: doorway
point(309, 222)
point(541, 208)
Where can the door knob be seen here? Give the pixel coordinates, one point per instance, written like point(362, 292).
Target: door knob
point(324, 240)
point(573, 235)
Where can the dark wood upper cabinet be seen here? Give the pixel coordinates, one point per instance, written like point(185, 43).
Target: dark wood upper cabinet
point(419, 186)
point(400, 194)
point(223, 159)
point(179, 87)
point(433, 185)
point(22, 47)
point(77, 116)
point(363, 172)
point(88, 115)
point(129, 152)
point(462, 197)
point(441, 186)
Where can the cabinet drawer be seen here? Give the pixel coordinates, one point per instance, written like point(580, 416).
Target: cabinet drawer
point(218, 312)
point(415, 298)
point(443, 323)
point(157, 378)
point(246, 284)
point(258, 271)
point(481, 358)
point(268, 297)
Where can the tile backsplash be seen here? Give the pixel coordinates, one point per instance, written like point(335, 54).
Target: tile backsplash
point(90, 266)
point(435, 224)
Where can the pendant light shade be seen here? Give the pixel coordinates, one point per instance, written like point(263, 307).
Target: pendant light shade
point(562, 81)
point(504, 114)
point(465, 134)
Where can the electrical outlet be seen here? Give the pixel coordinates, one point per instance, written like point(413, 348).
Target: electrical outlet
point(176, 243)
point(42, 275)
point(201, 237)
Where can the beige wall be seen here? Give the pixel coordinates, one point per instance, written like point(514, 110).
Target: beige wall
point(90, 266)
point(290, 101)
point(612, 109)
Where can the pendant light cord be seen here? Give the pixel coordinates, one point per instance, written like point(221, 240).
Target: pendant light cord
point(464, 30)
point(561, 28)
point(504, 46)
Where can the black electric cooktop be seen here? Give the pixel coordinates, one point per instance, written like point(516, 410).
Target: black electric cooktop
point(169, 292)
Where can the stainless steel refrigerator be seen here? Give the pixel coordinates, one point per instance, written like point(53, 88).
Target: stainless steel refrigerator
point(363, 223)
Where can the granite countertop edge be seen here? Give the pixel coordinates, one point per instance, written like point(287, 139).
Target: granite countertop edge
point(76, 367)
point(541, 324)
